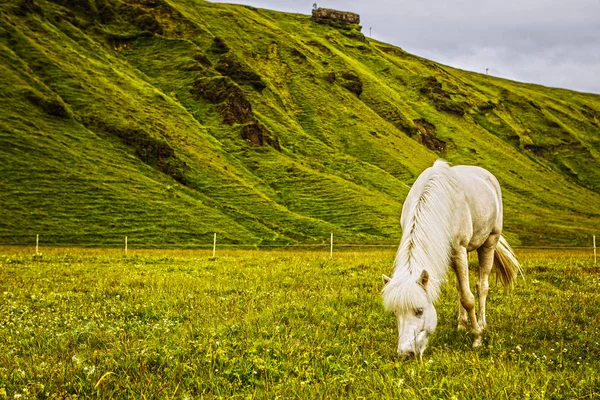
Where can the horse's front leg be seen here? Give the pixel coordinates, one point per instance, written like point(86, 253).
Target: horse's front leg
point(486, 262)
point(463, 319)
point(461, 267)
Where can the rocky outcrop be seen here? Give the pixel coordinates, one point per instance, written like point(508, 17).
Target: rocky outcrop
point(338, 19)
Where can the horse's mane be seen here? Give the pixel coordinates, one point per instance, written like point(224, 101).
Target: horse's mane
point(425, 243)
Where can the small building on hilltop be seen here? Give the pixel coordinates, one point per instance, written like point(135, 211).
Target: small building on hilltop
point(338, 19)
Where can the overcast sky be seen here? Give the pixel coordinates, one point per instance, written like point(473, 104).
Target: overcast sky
point(550, 42)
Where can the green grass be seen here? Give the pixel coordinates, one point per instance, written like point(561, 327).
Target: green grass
point(93, 323)
point(105, 133)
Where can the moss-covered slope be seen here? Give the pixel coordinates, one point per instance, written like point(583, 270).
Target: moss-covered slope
point(167, 120)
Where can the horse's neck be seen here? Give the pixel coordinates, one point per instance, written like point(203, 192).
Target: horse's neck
point(426, 244)
point(411, 260)
point(427, 239)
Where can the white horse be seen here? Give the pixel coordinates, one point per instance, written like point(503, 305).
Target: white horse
point(448, 212)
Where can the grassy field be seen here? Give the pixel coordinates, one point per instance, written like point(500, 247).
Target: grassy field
point(176, 324)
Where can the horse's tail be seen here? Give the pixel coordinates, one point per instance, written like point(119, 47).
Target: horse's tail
point(505, 261)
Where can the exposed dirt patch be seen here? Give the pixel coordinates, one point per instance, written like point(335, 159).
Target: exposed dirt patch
point(29, 6)
point(153, 151)
point(352, 82)
point(148, 23)
point(425, 127)
point(488, 106)
point(232, 103)
point(492, 123)
point(219, 46)
point(128, 12)
point(459, 109)
point(239, 71)
point(202, 59)
point(539, 151)
point(173, 22)
point(106, 12)
point(235, 108)
point(51, 106)
point(298, 54)
point(84, 13)
point(535, 105)
point(442, 100)
point(124, 41)
point(390, 112)
point(427, 136)
point(256, 134)
point(433, 87)
point(322, 48)
point(590, 113)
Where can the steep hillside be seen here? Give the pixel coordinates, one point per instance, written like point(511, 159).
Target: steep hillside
point(167, 120)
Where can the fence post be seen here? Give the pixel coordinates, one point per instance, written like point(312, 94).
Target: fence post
point(331, 249)
point(125, 245)
point(594, 239)
point(37, 242)
point(214, 245)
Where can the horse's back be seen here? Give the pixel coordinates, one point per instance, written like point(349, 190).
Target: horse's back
point(483, 198)
point(480, 186)
point(477, 200)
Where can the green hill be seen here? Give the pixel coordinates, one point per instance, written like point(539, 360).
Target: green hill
point(167, 120)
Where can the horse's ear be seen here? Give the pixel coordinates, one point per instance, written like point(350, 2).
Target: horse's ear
point(385, 279)
point(424, 278)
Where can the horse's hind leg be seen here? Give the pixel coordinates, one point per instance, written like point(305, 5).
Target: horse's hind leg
point(461, 267)
point(486, 262)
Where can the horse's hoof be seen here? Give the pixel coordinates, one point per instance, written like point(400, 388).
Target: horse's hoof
point(462, 327)
point(477, 343)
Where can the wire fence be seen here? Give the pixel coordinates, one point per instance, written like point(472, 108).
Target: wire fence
point(201, 243)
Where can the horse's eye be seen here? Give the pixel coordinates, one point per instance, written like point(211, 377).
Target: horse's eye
point(419, 312)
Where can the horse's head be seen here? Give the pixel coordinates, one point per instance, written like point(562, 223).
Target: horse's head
point(414, 328)
point(415, 313)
